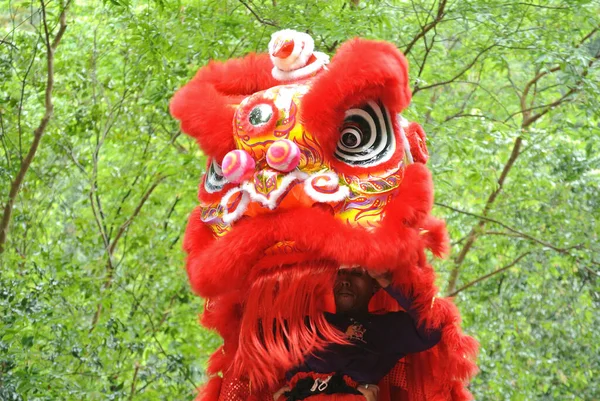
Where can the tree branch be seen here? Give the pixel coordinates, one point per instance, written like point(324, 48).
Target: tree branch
point(258, 17)
point(171, 210)
point(135, 375)
point(137, 210)
point(460, 74)
point(528, 119)
point(441, 12)
point(8, 44)
point(427, 51)
point(485, 277)
point(521, 234)
point(516, 232)
point(488, 205)
point(111, 248)
point(22, 96)
point(39, 131)
point(540, 75)
point(463, 115)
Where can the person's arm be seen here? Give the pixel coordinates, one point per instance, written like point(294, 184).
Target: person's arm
point(411, 336)
point(405, 301)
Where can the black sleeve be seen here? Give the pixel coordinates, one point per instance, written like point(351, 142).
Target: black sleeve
point(407, 335)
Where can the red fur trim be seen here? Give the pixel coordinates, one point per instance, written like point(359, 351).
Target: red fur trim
point(217, 362)
point(416, 139)
point(435, 237)
point(197, 235)
point(223, 313)
point(321, 235)
point(413, 201)
point(204, 105)
point(211, 390)
point(371, 70)
point(206, 115)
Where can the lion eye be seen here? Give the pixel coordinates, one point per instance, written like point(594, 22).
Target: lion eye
point(260, 115)
point(351, 137)
point(366, 136)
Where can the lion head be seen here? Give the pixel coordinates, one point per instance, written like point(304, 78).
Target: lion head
point(311, 166)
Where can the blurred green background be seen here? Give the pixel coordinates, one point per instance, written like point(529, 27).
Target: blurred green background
point(94, 301)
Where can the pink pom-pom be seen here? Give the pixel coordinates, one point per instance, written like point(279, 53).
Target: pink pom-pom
point(237, 165)
point(283, 155)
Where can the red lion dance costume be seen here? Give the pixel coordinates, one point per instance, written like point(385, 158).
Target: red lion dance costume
point(311, 167)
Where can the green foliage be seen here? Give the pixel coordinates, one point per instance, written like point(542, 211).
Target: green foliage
point(94, 301)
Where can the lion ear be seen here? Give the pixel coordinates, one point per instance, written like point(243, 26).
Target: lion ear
point(416, 138)
point(362, 71)
point(205, 106)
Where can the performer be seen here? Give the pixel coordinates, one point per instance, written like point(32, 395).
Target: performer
point(376, 341)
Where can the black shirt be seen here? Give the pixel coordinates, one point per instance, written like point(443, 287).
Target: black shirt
point(378, 342)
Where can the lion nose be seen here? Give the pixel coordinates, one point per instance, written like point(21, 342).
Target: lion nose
point(283, 155)
point(237, 165)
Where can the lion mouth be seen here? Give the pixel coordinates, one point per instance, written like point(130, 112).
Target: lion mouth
point(259, 246)
point(321, 187)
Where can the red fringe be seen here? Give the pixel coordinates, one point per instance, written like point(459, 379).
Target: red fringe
point(283, 321)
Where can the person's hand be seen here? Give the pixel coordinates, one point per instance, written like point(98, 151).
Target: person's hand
point(369, 391)
point(280, 392)
point(383, 278)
